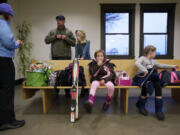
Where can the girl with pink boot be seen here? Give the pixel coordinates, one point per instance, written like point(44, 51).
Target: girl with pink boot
point(102, 74)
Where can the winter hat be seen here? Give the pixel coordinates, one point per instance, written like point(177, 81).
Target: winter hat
point(6, 8)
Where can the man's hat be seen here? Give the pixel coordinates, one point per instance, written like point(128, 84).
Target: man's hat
point(60, 17)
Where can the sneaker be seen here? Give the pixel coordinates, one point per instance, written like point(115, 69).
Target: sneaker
point(13, 125)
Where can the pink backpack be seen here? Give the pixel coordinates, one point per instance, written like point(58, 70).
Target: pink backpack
point(170, 77)
point(122, 79)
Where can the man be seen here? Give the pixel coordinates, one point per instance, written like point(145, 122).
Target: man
point(7, 70)
point(61, 40)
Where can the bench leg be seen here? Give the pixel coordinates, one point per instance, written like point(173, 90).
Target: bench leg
point(124, 95)
point(47, 97)
point(175, 93)
point(116, 95)
point(28, 93)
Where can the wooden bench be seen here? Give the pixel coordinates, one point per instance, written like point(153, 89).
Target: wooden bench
point(127, 65)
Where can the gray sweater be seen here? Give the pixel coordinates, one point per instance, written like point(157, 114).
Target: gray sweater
point(143, 63)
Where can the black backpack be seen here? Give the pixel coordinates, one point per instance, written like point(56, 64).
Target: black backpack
point(64, 77)
point(170, 77)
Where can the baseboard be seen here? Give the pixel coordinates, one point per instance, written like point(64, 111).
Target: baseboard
point(19, 81)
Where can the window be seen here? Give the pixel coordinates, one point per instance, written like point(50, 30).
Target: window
point(117, 30)
point(157, 28)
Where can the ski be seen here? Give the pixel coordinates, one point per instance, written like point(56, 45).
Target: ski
point(74, 114)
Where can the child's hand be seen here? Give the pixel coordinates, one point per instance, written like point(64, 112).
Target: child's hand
point(100, 63)
point(102, 82)
point(176, 67)
point(144, 74)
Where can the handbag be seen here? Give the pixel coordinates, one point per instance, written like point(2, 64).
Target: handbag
point(122, 79)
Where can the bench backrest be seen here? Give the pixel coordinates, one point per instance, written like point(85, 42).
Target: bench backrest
point(126, 65)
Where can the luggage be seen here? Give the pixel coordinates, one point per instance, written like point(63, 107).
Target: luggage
point(170, 77)
point(122, 79)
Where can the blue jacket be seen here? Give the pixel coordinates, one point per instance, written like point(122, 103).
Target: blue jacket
point(83, 51)
point(7, 42)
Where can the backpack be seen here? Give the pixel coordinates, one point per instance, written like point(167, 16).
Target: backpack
point(64, 77)
point(170, 77)
point(122, 79)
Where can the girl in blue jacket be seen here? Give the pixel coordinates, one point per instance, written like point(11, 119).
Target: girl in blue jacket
point(82, 46)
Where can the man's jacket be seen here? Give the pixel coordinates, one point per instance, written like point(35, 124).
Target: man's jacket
point(60, 47)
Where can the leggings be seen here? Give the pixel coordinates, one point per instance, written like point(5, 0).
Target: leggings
point(157, 87)
point(96, 84)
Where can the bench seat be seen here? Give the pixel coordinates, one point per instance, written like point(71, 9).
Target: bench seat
point(48, 92)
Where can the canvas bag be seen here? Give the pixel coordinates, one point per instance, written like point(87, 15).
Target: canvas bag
point(37, 78)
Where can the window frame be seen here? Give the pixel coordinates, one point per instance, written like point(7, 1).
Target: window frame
point(159, 8)
point(119, 8)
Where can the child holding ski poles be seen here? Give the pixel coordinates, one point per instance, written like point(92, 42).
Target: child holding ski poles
point(147, 77)
point(102, 74)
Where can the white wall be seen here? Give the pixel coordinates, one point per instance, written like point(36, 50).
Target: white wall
point(80, 14)
point(15, 6)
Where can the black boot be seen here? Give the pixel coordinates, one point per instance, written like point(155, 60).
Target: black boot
point(141, 105)
point(89, 104)
point(107, 103)
point(12, 125)
point(159, 109)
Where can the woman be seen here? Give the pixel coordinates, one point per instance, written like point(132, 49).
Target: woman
point(82, 52)
point(82, 46)
point(7, 70)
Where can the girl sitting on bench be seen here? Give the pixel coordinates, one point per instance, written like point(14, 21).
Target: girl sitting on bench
point(148, 79)
point(102, 73)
